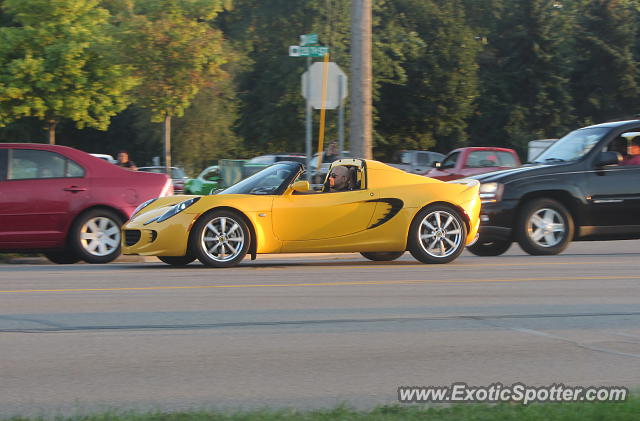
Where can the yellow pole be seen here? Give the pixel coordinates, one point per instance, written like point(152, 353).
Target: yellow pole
point(325, 77)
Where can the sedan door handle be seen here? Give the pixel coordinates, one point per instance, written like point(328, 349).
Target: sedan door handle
point(75, 189)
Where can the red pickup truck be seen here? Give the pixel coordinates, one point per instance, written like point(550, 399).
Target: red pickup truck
point(464, 162)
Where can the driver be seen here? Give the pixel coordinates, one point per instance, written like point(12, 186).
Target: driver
point(339, 179)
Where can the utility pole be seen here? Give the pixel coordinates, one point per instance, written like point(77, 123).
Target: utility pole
point(361, 116)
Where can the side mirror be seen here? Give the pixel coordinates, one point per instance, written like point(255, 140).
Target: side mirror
point(608, 158)
point(436, 164)
point(214, 178)
point(301, 186)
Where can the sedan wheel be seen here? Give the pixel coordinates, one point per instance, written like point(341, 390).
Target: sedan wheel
point(544, 227)
point(437, 235)
point(220, 239)
point(95, 236)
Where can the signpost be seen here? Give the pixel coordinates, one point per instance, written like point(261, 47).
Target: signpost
point(323, 86)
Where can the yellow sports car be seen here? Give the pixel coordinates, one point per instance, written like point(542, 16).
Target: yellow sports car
point(383, 213)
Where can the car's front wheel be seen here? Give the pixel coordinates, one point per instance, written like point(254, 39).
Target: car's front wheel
point(437, 235)
point(382, 256)
point(220, 239)
point(177, 260)
point(493, 248)
point(544, 227)
point(95, 236)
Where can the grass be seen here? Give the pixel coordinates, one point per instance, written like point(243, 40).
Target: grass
point(594, 411)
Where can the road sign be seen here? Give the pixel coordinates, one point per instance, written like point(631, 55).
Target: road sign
point(335, 93)
point(308, 39)
point(300, 51)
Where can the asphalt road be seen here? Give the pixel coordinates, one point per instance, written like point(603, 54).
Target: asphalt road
point(312, 331)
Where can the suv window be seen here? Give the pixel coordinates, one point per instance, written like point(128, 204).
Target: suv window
point(29, 164)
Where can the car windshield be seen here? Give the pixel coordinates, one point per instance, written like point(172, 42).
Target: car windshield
point(573, 146)
point(271, 180)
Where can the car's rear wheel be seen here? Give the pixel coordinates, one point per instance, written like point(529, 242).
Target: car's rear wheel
point(385, 256)
point(437, 235)
point(544, 227)
point(95, 236)
point(177, 260)
point(493, 248)
point(220, 239)
point(62, 257)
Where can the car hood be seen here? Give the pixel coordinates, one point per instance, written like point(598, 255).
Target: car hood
point(512, 174)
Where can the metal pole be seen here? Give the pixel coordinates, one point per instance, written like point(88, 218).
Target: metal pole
point(361, 121)
point(340, 116)
point(166, 129)
point(308, 119)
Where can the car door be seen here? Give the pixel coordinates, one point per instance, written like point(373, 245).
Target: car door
point(39, 191)
point(299, 217)
point(613, 194)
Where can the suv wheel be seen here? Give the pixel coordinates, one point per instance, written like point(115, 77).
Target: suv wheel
point(544, 227)
point(494, 248)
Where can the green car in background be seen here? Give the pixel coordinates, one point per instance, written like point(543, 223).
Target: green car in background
point(206, 182)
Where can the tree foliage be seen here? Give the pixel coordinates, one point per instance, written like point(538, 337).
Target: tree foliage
point(56, 63)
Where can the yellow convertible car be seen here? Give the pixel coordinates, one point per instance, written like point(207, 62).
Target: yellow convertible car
point(384, 213)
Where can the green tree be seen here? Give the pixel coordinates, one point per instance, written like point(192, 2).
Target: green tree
point(175, 52)
point(272, 110)
point(56, 63)
point(431, 105)
point(605, 76)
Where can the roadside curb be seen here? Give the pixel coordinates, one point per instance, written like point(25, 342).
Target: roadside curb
point(41, 260)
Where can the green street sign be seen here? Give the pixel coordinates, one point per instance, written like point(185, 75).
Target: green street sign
point(308, 39)
point(301, 51)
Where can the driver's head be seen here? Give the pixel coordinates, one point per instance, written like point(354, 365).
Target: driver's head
point(339, 178)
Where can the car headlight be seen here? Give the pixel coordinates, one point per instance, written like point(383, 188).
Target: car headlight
point(177, 208)
point(491, 192)
point(142, 206)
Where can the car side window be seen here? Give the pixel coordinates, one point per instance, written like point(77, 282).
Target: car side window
point(423, 159)
point(450, 161)
point(35, 164)
point(505, 159)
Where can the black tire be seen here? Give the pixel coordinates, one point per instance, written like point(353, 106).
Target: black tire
point(95, 236)
point(211, 248)
point(177, 260)
point(384, 256)
point(544, 227)
point(494, 248)
point(441, 226)
point(62, 257)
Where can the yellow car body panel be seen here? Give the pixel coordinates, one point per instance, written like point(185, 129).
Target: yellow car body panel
point(375, 218)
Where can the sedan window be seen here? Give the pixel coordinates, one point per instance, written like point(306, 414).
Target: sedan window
point(33, 164)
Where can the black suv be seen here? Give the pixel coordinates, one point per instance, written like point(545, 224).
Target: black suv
point(583, 187)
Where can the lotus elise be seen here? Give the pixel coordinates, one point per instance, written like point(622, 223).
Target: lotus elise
point(385, 212)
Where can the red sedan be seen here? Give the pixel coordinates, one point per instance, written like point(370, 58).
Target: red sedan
point(66, 203)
